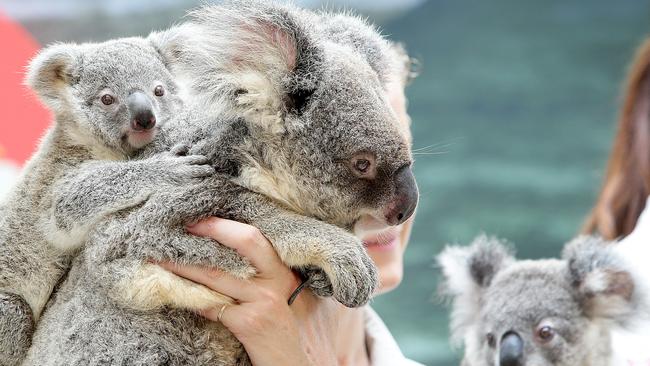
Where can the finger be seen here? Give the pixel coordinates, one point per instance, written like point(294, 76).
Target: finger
point(228, 314)
point(247, 240)
point(214, 279)
point(218, 314)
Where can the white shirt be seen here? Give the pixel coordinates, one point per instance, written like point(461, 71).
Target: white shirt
point(631, 346)
point(382, 347)
point(8, 175)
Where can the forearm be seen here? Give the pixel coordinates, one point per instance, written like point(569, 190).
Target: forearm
point(96, 189)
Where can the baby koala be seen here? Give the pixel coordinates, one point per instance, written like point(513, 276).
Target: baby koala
point(108, 100)
point(537, 312)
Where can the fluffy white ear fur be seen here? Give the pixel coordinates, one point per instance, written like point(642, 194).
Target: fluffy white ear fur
point(239, 55)
point(51, 71)
point(461, 287)
point(602, 278)
point(247, 35)
point(608, 293)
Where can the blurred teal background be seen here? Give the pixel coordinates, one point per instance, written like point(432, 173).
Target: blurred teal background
point(513, 114)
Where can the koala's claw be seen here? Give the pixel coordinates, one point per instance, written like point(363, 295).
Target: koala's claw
point(198, 166)
point(180, 150)
point(183, 169)
point(319, 283)
point(196, 160)
point(16, 328)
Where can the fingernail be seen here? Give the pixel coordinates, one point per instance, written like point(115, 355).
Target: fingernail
point(198, 229)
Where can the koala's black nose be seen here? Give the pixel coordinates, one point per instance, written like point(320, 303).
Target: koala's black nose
point(511, 351)
point(141, 110)
point(406, 197)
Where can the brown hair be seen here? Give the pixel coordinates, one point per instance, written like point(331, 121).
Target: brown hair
point(627, 179)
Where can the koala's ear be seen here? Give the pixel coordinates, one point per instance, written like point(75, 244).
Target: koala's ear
point(169, 43)
point(365, 38)
point(52, 71)
point(600, 278)
point(467, 272)
point(260, 50)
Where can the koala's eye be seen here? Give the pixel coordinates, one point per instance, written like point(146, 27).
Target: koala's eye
point(545, 333)
point(363, 165)
point(107, 99)
point(159, 91)
point(491, 340)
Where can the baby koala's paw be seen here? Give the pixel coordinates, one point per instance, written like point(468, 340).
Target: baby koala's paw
point(180, 168)
point(16, 328)
point(352, 273)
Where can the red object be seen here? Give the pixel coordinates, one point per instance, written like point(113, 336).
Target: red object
point(23, 119)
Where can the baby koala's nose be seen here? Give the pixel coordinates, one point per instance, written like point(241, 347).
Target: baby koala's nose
point(144, 121)
point(511, 351)
point(141, 110)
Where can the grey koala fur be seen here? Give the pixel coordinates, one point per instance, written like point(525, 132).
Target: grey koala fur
point(287, 109)
point(501, 305)
point(36, 241)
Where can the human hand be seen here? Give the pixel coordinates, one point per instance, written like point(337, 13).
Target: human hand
point(272, 332)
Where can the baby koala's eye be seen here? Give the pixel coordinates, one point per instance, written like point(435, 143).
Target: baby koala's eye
point(107, 99)
point(491, 340)
point(159, 91)
point(363, 165)
point(545, 333)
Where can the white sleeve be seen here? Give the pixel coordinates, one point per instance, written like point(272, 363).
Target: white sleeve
point(382, 347)
point(630, 344)
point(635, 248)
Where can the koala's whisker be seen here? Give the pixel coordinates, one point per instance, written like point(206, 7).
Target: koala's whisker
point(431, 153)
point(429, 147)
point(439, 145)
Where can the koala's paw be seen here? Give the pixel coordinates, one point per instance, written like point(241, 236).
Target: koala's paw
point(180, 168)
point(16, 328)
point(353, 275)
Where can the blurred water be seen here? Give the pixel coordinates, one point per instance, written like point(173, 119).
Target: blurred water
point(520, 99)
point(513, 116)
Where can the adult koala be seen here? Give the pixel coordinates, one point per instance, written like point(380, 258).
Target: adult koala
point(296, 122)
point(538, 312)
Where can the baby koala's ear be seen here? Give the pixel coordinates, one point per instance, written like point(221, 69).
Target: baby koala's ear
point(601, 279)
point(52, 71)
point(467, 272)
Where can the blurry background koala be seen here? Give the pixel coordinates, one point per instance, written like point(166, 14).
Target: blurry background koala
point(548, 312)
point(513, 115)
